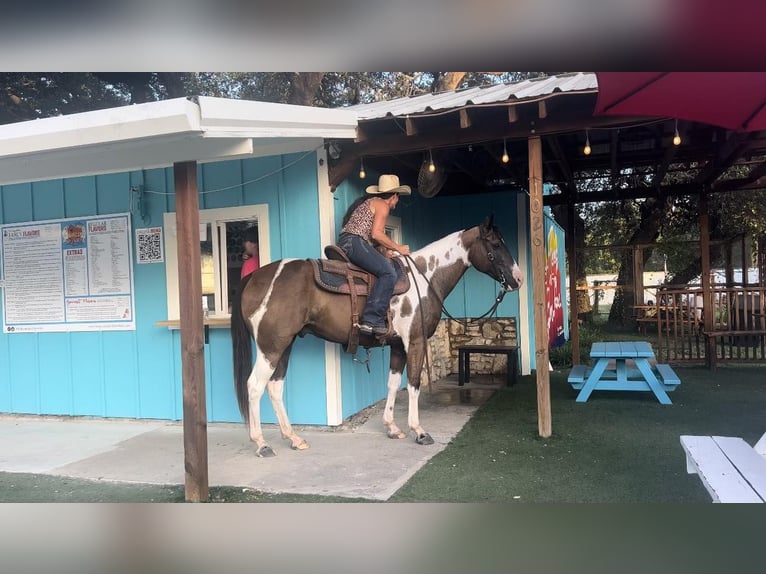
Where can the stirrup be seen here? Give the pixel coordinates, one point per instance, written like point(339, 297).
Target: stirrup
point(373, 329)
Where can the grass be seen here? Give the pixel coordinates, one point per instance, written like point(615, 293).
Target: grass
point(24, 487)
point(617, 447)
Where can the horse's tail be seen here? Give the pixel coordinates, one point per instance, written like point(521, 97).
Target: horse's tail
point(242, 352)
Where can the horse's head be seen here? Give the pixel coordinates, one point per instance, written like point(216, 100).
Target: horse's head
point(490, 255)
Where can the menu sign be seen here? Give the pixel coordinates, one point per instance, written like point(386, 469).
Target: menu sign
point(68, 275)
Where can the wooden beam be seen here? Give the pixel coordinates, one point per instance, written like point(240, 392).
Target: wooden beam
point(707, 299)
point(537, 237)
point(574, 311)
point(465, 120)
point(192, 331)
point(662, 169)
point(409, 126)
point(361, 135)
point(513, 114)
point(400, 143)
point(727, 154)
point(755, 174)
point(630, 193)
point(614, 166)
point(340, 171)
point(566, 169)
point(542, 110)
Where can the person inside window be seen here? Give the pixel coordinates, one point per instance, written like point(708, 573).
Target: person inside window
point(364, 227)
point(250, 257)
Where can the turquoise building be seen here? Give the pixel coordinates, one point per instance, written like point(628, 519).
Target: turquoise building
point(271, 173)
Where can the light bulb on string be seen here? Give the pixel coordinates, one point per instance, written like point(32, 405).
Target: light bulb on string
point(677, 137)
point(362, 173)
point(505, 158)
point(586, 150)
point(431, 165)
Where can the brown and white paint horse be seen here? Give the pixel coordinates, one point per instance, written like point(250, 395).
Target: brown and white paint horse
point(281, 301)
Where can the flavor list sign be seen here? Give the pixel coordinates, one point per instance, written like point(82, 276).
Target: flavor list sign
point(68, 275)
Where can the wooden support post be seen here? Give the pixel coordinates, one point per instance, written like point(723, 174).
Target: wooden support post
point(192, 331)
point(409, 126)
point(707, 299)
point(513, 114)
point(574, 308)
point(761, 261)
point(537, 236)
point(638, 275)
point(729, 263)
point(465, 119)
point(542, 110)
point(745, 261)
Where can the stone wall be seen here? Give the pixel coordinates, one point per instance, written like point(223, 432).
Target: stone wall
point(442, 347)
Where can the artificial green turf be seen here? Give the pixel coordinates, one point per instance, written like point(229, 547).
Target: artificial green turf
point(25, 487)
point(617, 447)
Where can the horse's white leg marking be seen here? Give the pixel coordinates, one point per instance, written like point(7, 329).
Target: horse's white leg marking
point(275, 393)
point(256, 383)
point(262, 370)
point(413, 418)
point(394, 381)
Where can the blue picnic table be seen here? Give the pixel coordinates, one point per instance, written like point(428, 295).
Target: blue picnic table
point(642, 377)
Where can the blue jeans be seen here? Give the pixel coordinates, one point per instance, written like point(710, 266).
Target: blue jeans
point(370, 259)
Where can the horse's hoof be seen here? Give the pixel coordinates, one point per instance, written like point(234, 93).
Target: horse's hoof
point(424, 439)
point(303, 445)
point(397, 434)
point(265, 452)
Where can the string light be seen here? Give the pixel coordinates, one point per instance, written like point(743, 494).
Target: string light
point(431, 165)
point(362, 173)
point(505, 157)
point(677, 137)
point(586, 150)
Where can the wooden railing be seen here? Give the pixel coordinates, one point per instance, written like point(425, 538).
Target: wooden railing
point(737, 329)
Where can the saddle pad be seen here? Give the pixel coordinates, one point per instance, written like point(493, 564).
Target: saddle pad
point(331, 275)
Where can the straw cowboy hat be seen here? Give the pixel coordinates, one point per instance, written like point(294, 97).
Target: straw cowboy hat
point(388, 184)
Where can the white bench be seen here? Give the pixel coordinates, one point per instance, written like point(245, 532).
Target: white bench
point(730, 469)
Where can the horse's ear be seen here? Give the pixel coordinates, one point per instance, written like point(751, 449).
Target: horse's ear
point(489, 221)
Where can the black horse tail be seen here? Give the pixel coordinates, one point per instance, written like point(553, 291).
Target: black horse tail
point(242, 352)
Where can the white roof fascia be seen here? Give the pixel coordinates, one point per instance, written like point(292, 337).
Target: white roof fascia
point(168, 117)
point(157, 134)
point(221, 117)
point(120, 157)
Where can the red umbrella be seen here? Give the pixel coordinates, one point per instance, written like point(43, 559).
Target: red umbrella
point(733, 100)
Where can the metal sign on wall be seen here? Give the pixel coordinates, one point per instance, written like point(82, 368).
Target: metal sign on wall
point(68, 275)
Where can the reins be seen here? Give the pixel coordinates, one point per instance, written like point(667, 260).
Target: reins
point(491, 310)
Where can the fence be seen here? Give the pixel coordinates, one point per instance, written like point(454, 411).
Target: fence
point(738, 325)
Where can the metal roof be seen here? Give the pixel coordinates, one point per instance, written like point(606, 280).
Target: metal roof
point(157, 134)
point(538, 88)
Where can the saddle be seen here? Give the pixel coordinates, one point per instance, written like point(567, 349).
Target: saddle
point(337, 274)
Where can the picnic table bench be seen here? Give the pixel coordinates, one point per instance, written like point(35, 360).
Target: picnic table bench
point(730, 469)
point(464, 360)
point(602, 376)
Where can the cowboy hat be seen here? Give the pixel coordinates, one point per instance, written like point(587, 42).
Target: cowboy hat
point(388, 184)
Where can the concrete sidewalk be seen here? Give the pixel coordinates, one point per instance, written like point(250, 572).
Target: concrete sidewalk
point(355, 460)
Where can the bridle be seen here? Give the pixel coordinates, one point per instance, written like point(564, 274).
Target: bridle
point(500, 276)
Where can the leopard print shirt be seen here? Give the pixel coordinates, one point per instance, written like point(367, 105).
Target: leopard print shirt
point(360, 222)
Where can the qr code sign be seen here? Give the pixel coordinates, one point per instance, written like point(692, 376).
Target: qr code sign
point(149, 245)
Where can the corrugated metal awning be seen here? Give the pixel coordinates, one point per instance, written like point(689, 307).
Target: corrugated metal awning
point(526, 90)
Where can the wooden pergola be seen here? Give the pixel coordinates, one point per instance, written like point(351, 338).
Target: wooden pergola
point(544, 136)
